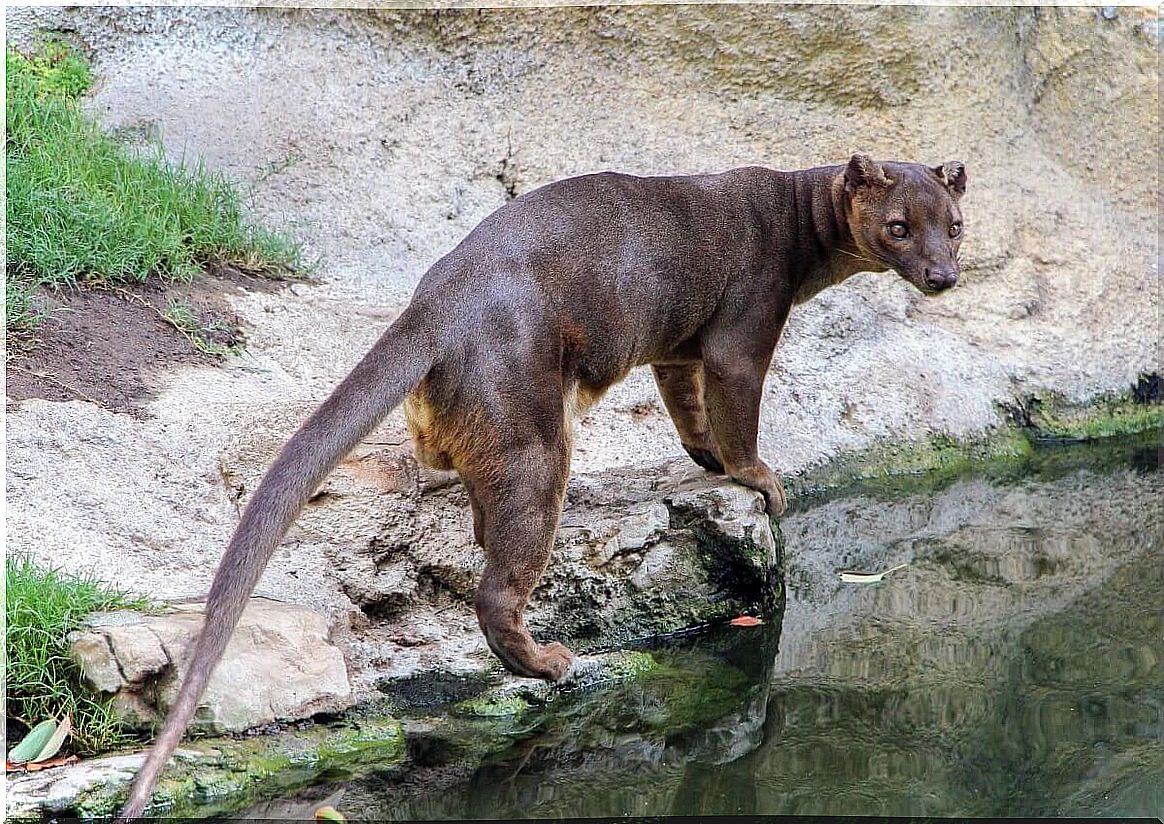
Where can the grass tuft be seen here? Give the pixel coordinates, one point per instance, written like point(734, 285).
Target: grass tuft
point(82, 209)
point(42, 606)
point(201, 334)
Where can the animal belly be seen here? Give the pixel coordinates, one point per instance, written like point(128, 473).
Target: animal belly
point(579, 398)
point(422, 426)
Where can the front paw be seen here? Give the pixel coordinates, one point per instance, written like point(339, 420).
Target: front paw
point(761, 478)
point(775, 498)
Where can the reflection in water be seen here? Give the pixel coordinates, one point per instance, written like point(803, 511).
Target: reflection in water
point(1014, 667)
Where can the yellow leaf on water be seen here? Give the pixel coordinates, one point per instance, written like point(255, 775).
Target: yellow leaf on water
point(328, 813)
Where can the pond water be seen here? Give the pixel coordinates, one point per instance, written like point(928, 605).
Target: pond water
point(1013, 667)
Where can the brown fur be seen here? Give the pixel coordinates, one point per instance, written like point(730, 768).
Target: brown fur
point(547, 303)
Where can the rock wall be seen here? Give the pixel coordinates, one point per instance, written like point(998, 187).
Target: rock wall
point(381, 137)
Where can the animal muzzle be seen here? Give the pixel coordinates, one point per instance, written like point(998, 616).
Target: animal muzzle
point(940, 278)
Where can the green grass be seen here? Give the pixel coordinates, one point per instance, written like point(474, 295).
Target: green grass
point(41, 607)
point(83, 209)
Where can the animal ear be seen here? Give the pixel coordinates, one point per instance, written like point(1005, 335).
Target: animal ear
point(865, 172)
point(953, 174)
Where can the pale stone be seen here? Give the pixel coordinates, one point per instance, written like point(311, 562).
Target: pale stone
point(98, 665)
point(138, 651)
point(279, 665)
point(642, 526)
point(654, 562)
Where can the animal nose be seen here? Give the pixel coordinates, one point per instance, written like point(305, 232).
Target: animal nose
point(941, 278)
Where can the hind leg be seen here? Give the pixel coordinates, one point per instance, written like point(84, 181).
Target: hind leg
point(520, 503)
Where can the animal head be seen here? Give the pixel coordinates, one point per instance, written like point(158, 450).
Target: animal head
point(906, 216)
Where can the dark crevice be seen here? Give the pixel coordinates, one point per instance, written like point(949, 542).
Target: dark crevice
point(1147, 389)
point(506, 176)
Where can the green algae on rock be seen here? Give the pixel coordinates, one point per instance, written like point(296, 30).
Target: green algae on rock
point(493, 706)
point(223, 775)
point(670, 699)
point(516, 698)
point(902, 467)
point(1051, 417)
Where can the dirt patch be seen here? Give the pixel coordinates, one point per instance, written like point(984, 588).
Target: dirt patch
point(112, 347)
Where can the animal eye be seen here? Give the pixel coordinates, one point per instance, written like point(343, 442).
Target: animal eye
point(898, 229)
point(955, 229)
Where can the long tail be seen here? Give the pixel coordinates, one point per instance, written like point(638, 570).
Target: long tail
point(379, 382)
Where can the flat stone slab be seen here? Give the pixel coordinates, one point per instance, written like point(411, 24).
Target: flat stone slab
point(280, 665)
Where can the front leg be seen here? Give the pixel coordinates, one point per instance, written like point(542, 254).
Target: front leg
point(734, 389)
point(681, 386)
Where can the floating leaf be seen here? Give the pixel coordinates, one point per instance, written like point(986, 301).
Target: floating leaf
point(58, 738)
point(850, 576)
point(328, 813)
point(33, 743)
point(746, 621)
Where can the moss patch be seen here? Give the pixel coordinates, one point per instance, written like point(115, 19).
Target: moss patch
point(694, 698)
point(659, 696)
point(1048, 417)
point(622, 666)
point(491, 705)
point(223, 775)
point(938, 459)
point(594, 672)
point(903, 468)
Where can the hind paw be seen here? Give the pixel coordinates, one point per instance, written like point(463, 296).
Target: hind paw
point(554, 661)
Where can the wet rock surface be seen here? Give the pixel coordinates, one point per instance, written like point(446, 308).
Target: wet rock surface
point(208, 777)
point(1011, 668)
point(638, 553)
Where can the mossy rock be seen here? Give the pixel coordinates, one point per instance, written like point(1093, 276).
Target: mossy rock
point(899, 468)
point(902, 468)
point(1050, 417)
point(223, 775)
point(636, 688)
point(493, 706)
point(513, 700)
